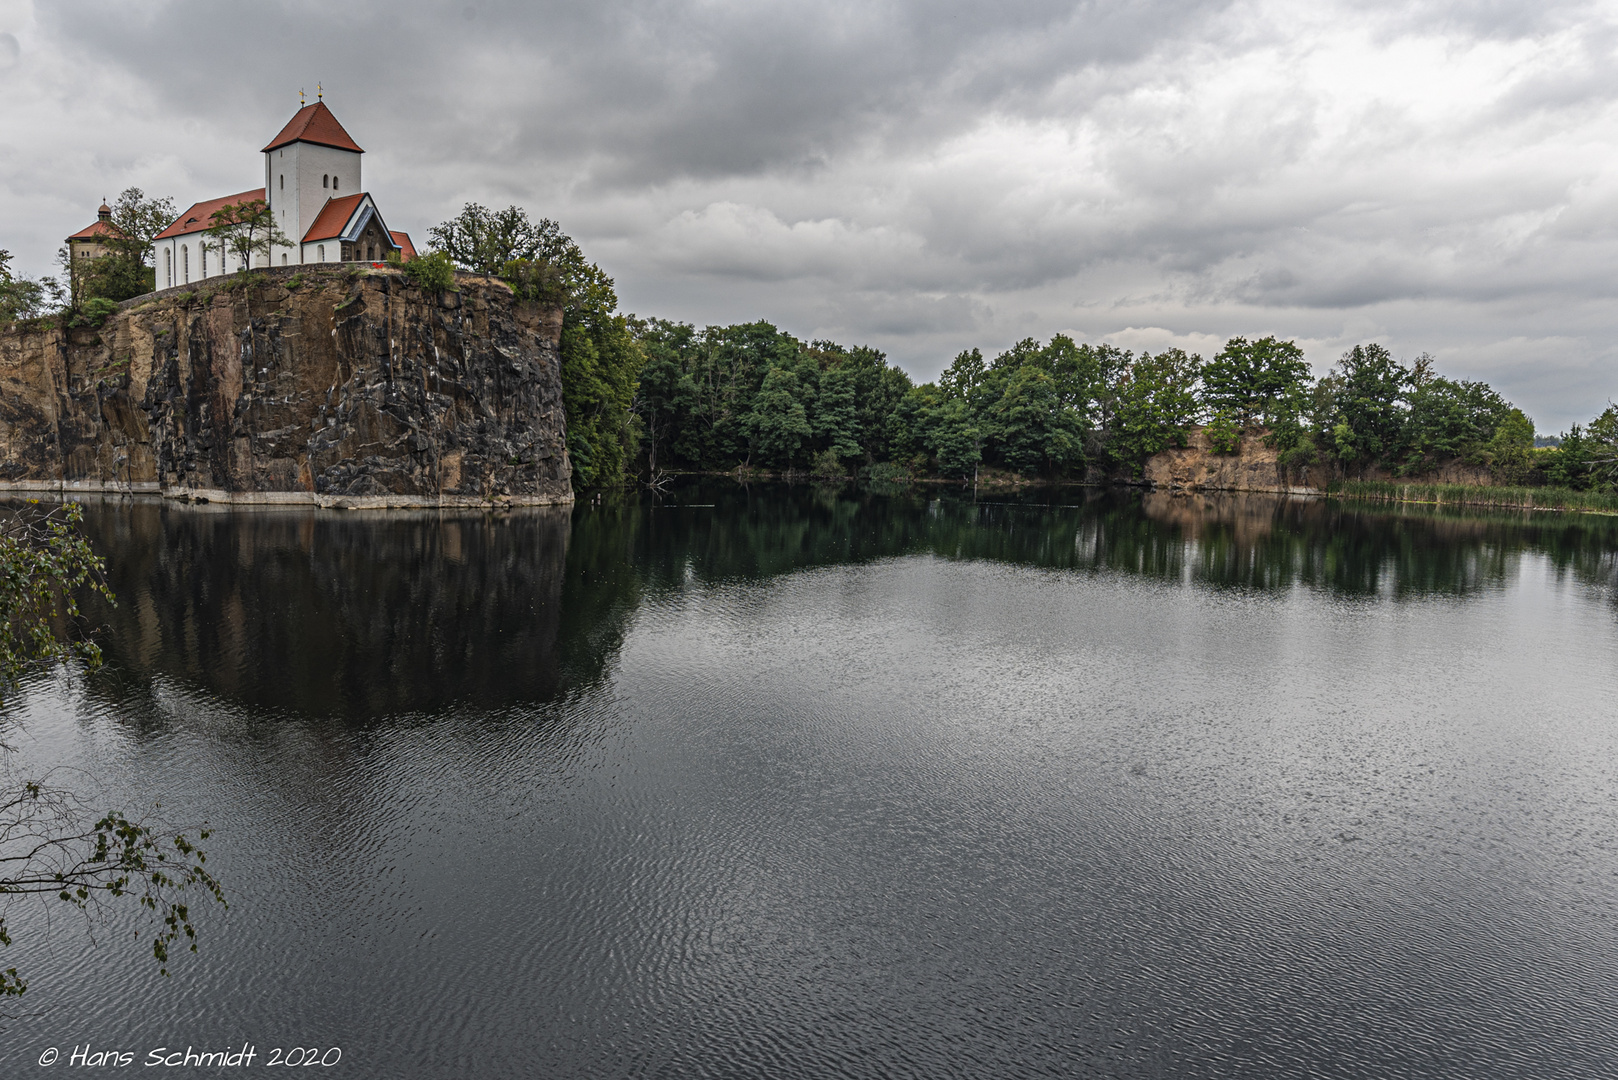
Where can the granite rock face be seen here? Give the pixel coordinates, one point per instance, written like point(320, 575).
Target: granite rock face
point(1195, 467)
point(334, 386)
point(1254, 467)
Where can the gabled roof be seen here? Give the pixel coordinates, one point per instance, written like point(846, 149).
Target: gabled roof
point(96, 229)
point(401, 240)
point(346, 218)
point(314, 124)
point(329, 223)
point(200, 216)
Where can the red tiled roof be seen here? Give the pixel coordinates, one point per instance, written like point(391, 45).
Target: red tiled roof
point(96, 228)
point(200, 215)
point(332, 217)
point(407, 250)
point(314, 124)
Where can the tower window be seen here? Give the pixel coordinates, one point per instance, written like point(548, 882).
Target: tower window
point(283, 182)
point(334, 183)
point(325, 181)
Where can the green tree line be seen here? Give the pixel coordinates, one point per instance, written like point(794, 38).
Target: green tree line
point(750, 394)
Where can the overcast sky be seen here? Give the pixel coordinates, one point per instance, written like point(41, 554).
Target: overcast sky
point(922, 177)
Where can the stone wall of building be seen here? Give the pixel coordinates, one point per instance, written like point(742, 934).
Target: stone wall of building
point(336, 385)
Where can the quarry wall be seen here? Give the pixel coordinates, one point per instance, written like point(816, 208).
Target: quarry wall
point(336, 386)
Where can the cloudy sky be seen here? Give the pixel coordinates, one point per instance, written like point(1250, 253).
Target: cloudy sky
point(922, 177)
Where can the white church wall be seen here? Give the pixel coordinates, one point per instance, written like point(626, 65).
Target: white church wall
point(179, 260)
point(300, 178)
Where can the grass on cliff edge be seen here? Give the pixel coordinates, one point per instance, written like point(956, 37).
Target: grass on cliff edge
point(1521, 498)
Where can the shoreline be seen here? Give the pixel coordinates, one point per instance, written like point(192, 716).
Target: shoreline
point(277, 499)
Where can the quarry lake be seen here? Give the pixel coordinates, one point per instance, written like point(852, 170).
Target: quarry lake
point(800, 782)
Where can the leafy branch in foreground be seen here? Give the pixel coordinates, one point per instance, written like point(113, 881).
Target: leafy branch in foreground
point(52, 844)
point(44, 562)
point(50, 847)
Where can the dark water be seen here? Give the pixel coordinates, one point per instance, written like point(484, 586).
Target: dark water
point(799, 783)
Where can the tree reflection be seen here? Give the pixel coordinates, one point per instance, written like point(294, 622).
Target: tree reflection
point(361, 615)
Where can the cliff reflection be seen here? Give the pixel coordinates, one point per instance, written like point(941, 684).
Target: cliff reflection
point(333, 613)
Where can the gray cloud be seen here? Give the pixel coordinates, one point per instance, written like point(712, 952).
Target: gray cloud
point(923, 177)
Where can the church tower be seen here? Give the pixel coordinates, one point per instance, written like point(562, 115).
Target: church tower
point(311, 161)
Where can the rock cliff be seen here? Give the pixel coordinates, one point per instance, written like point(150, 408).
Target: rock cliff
point(1195, 467)
point(334, 385)
point(1252, 468)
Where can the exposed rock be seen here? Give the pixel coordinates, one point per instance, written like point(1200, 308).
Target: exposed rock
point(1252, 468)
point(324, 385)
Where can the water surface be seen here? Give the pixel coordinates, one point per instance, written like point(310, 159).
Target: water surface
point(805, 783)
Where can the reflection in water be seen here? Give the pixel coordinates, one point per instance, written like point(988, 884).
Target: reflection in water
point(367, 615)
point(812, 782)
point(322, 613)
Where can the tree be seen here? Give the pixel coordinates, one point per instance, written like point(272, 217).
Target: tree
point(1448, 419)
point(778, 423)
point(1031, 428)
point(22, 297)
point(482, 241)
point(54, 845)
point(245, 229)
point(125, 271)
point(1601, 450)
point(601, 362)
point(136, 220)
point(1248, 380)
point(1157, 402)
point(1367, 389)
point(955, 441)
point(836, 419)
point(964, 374)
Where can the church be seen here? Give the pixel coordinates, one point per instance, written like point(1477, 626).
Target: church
point(313, 188)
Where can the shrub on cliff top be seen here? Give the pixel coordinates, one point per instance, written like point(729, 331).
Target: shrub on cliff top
point(1224, 435)
point(534, 279)
point(434, 271)
point(93, 312)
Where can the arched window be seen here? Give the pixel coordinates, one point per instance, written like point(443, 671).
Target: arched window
point(283, 181)
point(320, 252)
point(185, 261)
point(283, 258)
point(168, 267)
point(202, 256)
point(334, 183)
point(325, 181)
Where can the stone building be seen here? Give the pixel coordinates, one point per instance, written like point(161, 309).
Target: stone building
point(89, 242)
point(313, 189)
